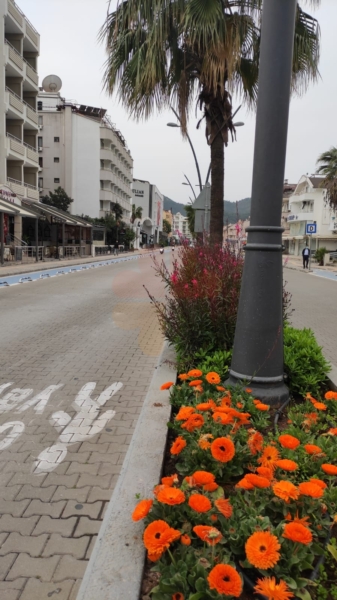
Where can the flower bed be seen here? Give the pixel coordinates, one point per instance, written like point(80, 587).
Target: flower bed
point(244, 501)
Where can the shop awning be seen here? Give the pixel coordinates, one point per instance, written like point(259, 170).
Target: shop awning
point(16, 209)
point(58, 215)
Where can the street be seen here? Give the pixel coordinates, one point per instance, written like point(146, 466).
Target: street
point(77, 352)
point(314, 300)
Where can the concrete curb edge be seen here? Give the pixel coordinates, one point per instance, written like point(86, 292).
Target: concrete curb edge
point(116, 566)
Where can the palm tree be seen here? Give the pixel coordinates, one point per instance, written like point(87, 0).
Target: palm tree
point(163, 52)
point(328, 168)
point(136, 213)
point(190, 214)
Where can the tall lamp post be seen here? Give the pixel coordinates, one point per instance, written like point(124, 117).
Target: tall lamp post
point(258, 345)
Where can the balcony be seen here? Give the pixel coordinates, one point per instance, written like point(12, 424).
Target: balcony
point(18, 66)
point(23, 25)
point(106, 154)
point(301, 216)
point(22, 189)
point(18, 150)
point(17, 108)
point(106, 175)
point(105, 195)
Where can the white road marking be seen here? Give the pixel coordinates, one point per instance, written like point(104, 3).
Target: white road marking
point(17, 429)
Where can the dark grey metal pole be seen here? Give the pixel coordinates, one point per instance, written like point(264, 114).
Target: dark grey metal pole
point(37, 239)
point(2, 227)
point(193, 151)
point(258, 345)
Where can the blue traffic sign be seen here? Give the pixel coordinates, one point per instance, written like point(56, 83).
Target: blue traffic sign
point(311, 228)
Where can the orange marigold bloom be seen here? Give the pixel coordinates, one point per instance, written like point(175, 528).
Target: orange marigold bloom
point(184, 413)
point(178, 445)
point(158, 488)
point(239, 404)
point(195, 383)
point(249, 390)
point(225, 401)
point(178, 596)
point(312, 417)
point(333, 431)
point(225, 580)
point(286, 490)
point(305, 521)
point(203, 477)
point(199, 503)
point(287, 465)
point(319, 482)
point(272, 590)
point(171, 496)
point(170, 480)
point(223, 418)
point(289, 441)
point(198, 389)
point(210, 487)
point(330, 395)
point(194, 373)
point(203, 441)
point(307, 488)
point(158, 536)
point(262, 550)
point(142, 509)
point(262, 406)
point(265, 472)
point(296, 532)
point(213, 377)
point(193, 422)
point(255, 442)
point(224, 507)
point(320, 406)
point(185, 539)
point(213, 518)
point(329, 469)
point(220, 388)
point(257, 481)
point(167, 385)
point(244, 484)
point(223, 449)
point(269, 457)
point(210, 405)
point(207, 534)
point(183, 377)
point(312, 449)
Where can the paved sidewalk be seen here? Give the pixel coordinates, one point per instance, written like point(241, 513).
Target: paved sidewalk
point(296, 263)
point(65, 420)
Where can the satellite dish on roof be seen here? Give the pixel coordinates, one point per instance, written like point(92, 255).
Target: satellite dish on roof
point(52, 83)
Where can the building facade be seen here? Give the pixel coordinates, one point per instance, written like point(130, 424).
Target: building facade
point(83, 152)
point(148, 197)
point(180, 227)
point(19, 166)
point(308, 204)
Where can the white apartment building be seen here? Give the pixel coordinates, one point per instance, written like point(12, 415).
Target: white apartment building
point(19, 165)
point(308, 204)
point(148, 197)
point(83, 152)
point(180, 227)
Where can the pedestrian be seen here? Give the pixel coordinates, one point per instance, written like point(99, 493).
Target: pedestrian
point(116, 248)
point(305, 255)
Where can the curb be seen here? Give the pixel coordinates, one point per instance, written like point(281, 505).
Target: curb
point(116, 566)
point(332, 378)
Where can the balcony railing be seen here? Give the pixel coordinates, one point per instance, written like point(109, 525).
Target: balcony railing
point(11, 5)
point(20, 56)
point(18, 141)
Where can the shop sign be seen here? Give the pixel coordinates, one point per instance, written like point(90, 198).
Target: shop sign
point(7, 194)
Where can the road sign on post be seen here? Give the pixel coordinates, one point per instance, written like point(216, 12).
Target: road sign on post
point(311, 228)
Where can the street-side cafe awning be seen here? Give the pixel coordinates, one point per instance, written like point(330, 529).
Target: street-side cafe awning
point(59, 216)
point(9, 208)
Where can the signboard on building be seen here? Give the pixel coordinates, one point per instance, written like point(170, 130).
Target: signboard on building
point(7, 194)
point(311, 228)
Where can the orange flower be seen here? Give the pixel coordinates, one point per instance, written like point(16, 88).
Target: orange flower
point(269, 457)
point(261, 406)
point(272, 590)
point(262, 550)
point(213, 518)
point(244, 484)
point(307, 488)
point(195, 383)
point(207, 534)
point(224, 507)
point(225, 580)
point(312, 449)
point(226, 400)
point(210, 405)
point(223, 449)
point(171, 496)
point(256, 401)
point(286, 490)
point(223, 418)
point(257, 481)
point(203, 441)
point(142, 509)
point(249, 390)
point(212, 377)
point(158, 488)
point(319, 482)
point(169, 481)
point(199, 503)
point(203, 477)
point(287, 465)
point(320, 406)
point(265, 472)
point(220, 388)
point(198, 389)
point(194, 373)
point(289, 441)
point(178, 445)
point(296, 532)
point(329, 469)
point(255, 442)
point(193, 422)
point(333, 431)
point(178, 596)
point(312, 417)
point(157, 538)
point(185, 539)
point(167, 385)
point(184, 413)
point(190, 481)
point(330, 396)
point(183, 377)
point(210, 487)
point(305, 521)
point(239, 405)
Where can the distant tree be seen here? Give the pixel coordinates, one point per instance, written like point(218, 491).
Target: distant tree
point(328, 168)
point(190, 213)
point(167, 226)
point(136, 213)
point(129, 236)
point(58, 199)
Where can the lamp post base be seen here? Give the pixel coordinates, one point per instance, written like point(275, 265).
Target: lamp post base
point(274, 393)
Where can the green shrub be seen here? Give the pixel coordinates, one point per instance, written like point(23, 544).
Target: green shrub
point(304, 362)
point(319, 255)
point(218, 361)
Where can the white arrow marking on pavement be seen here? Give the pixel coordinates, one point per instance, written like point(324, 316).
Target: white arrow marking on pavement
point(17, 428)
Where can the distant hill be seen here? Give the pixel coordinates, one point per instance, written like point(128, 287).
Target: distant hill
point(230, 209)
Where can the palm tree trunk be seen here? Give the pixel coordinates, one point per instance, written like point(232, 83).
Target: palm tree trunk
point(217, 188)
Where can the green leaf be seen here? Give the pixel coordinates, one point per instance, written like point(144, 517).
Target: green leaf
point(303, 594)
point(197, 596)
point(332, 550)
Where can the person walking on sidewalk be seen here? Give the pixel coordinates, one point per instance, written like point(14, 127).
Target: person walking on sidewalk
point(305, 254)
point(116, 248)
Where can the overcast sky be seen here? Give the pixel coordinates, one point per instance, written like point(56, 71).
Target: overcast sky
point(69, 48)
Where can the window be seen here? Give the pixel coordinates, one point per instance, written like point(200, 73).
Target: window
point(102, 143)
point(39, 105)
point(101, 184)
point(56, 139)
point(56, 180)
point(40, 183)
point(56, 159)
point(40, 142)
point(40, 120)
point(102, 164)
point(40, 161)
